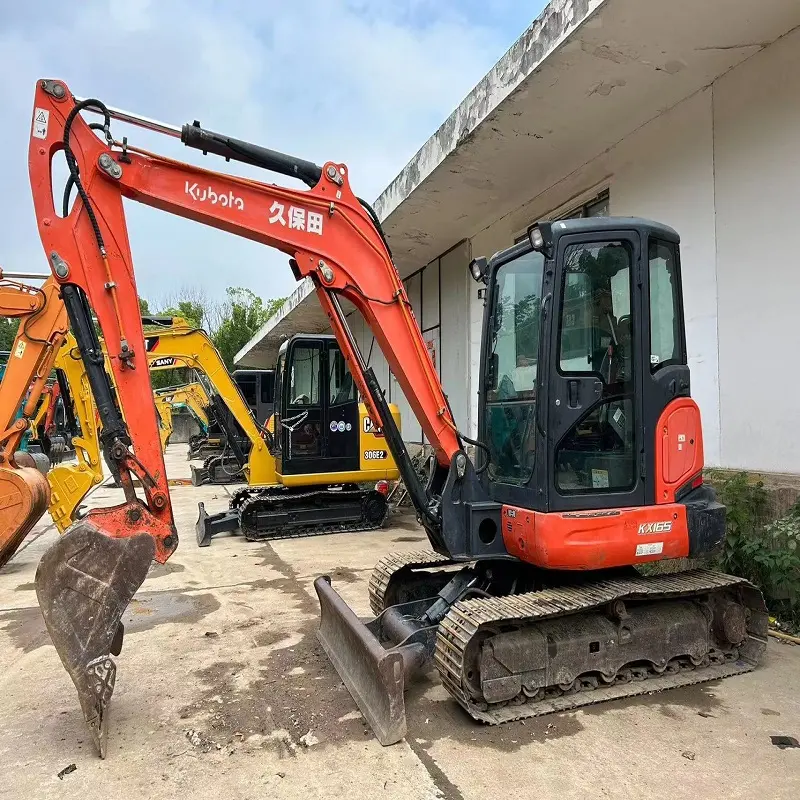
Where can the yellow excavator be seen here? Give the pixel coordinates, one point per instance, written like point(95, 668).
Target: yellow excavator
point(318, 465)
point(192, 396)
point(71, 482)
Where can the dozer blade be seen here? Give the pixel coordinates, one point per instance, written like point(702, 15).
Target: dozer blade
point(84, 583)
point(209, 525)
point(24, 497)
point(374, 675)
point(199, 475)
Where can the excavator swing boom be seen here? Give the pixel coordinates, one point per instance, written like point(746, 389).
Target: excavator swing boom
point(484, 601)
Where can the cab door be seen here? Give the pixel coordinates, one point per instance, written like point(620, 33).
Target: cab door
point(342, 419)
point(594, 383)
point(301, 419)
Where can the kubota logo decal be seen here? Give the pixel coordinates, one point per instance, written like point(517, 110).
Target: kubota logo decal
point(208, 195)
point(655, 527)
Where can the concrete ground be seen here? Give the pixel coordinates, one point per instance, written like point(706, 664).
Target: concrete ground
point(223, 692)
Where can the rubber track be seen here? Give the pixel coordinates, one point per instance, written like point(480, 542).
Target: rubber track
point(240, 495)
point(390, 565)
point(466, 618)
point(268, 495)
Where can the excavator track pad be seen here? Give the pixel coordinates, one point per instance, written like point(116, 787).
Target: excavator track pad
point(24, 497)
point(84, 583)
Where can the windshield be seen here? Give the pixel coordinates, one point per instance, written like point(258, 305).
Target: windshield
point(513, 366)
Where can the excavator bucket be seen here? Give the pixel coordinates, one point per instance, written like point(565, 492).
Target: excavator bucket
point(84, 583)
point(24, 496)
point(374, 675)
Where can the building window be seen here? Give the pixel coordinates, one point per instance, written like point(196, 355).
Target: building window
point(597, 206)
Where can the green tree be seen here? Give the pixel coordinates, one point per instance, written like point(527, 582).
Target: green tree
point(191, 310)
point(242, 314)
point(8, 331)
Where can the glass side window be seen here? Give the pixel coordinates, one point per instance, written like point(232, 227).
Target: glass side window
point(248, 386)
point(513, 366)
point(304, 376)
point(596, 309)
point(341, 387)
point(267, 387)
point(665, 339)
point(597, 454)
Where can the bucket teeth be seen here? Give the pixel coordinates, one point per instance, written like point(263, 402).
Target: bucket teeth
point(84, 583)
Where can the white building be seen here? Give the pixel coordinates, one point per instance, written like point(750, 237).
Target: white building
point(684, 112)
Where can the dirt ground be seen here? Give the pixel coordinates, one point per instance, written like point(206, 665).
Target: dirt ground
point(224, 692)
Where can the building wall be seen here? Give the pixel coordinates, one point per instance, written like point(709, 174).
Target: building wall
point(757, 141)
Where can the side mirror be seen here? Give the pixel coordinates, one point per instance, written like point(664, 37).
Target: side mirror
point(479, 269)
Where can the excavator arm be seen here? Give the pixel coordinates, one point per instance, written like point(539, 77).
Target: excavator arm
point(164, 410)
point(192, 348)
point(195, 398)
point(70, 483)
point(191, 396)
point(87, 578)
point(43, 326)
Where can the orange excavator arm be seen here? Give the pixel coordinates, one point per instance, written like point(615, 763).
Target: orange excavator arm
point(43, 326)
point(330, 236)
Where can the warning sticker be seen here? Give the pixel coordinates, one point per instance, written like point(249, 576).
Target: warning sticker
point(41, 119)
point(649, 549)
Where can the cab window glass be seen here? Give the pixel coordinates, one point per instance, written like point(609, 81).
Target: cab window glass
point(267, 386)
point(248, 386)
point(304, 376)
point(665, 339)
point(341, 387)
point(513, 366)
point(598, 453)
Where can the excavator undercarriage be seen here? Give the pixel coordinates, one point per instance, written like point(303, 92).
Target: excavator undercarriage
point(520, 643)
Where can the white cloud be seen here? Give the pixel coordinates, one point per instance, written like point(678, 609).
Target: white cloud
point(359, 81)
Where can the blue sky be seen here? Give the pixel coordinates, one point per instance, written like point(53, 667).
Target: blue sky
point(364, 82)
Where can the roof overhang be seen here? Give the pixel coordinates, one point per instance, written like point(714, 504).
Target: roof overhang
point(583, 76)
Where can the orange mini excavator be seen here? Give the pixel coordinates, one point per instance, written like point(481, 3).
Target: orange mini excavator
point(24, 489)
point(588, 460)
